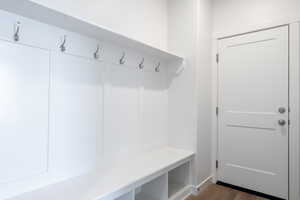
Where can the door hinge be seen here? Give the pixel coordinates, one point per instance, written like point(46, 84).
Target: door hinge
point(217, 164)
point(217, 58)
point(217, 110)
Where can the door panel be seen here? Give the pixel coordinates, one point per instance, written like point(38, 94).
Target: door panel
point(253, 85)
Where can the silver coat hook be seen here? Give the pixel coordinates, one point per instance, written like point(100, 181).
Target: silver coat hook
point(96, 54)
point(17, 30)
point(157, 68)
point(62, 46)
point(141, 65)
point(122, 59)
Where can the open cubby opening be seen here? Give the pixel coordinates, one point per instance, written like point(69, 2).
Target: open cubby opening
point(156, 189)
point(178, 179)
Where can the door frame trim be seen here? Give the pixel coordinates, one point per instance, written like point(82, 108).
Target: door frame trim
point(294, 104)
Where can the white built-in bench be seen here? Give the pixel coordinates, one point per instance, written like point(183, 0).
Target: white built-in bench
point(159, 175)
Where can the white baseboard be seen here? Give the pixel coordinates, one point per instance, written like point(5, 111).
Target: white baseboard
point(184, 193)
point(203, 183)
point(191, 190)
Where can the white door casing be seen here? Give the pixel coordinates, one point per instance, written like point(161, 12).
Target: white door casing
point(253, 85)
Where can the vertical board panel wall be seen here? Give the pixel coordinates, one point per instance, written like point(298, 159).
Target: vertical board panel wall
point(64, 114)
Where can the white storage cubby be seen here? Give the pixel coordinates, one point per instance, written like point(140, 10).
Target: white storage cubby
point(128, 196)
point(156, 189)
point(178, 179)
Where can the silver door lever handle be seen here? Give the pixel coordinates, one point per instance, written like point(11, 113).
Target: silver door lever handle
point(281, 110)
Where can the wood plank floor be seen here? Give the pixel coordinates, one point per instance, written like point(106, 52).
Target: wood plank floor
point(217, 192)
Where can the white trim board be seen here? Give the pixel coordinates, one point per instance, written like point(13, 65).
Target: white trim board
point(192, 189)
point(203, 183)
point(294, 98)
point(294, 186)
point(238, 31)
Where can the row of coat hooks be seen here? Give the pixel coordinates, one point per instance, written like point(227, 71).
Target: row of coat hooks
point(96, 54)
point(122, 60)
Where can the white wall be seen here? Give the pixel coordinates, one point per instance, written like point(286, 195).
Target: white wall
point(182, 94)
point(143, 20)
point(189, 93)
point(204, 72)
point(238, 16)
point(91, 114)
point(176, 25)
point(133, 105)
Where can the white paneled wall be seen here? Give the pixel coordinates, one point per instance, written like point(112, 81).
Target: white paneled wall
point(135, 112)
point(24, 87)
point(76, 113)
point(64, 114)
point(154, 108)
point(121, 118)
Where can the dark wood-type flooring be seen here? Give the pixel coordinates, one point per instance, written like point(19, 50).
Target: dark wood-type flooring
point(218, 192)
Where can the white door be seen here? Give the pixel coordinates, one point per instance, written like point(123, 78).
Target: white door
point(253, 117)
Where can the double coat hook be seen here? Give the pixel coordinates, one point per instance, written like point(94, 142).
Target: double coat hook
point(17, 30)
point(122, 59)
point(96, 54)
point(141, 65)
point(157, 68)
point(63, 45)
